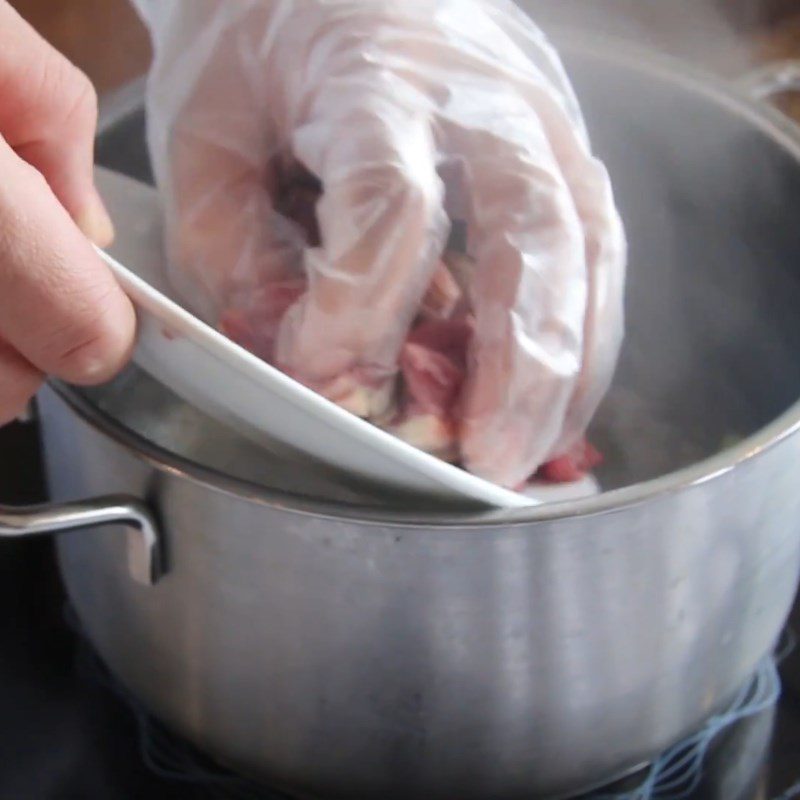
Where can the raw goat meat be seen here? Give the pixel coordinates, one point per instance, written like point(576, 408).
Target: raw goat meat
point(312, 156)
point(433, 360)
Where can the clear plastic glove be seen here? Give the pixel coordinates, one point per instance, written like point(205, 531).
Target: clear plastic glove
point(313, 154)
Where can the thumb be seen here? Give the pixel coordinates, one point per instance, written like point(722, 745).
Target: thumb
point(60, 306)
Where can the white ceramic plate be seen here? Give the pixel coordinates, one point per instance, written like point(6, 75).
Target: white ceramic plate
point(225, 381)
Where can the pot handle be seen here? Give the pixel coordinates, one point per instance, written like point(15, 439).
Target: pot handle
point(772, 80)
point(145, 559)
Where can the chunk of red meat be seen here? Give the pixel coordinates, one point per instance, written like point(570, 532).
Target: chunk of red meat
point(432, 380)
point(573, 466)
point(255, 326)
point(450, 336)
point(433, 363)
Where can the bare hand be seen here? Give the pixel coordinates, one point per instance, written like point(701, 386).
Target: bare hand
point(61, 311)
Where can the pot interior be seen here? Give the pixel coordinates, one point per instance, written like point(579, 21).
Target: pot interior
point(709, 191)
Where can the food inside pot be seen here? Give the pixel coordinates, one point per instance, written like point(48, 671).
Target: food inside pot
point(425, 408)
point(309, 220)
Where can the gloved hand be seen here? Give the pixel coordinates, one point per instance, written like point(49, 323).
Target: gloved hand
point(61, 312)
point(312, 155)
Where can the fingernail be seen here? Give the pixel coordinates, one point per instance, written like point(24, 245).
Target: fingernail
point(96, 223)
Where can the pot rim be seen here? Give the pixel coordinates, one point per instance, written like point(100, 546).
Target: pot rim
point(767, 119)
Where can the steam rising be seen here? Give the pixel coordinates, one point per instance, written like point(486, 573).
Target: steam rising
point(709, 198)
point(710, 33)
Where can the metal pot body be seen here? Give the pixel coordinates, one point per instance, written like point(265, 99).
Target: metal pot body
point(344, 659)
point(336, 653)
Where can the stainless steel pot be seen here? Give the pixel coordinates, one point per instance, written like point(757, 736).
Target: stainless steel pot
point(349, 648)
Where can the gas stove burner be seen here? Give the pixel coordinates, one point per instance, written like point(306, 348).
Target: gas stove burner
point(679, 774)
point(166, 755)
